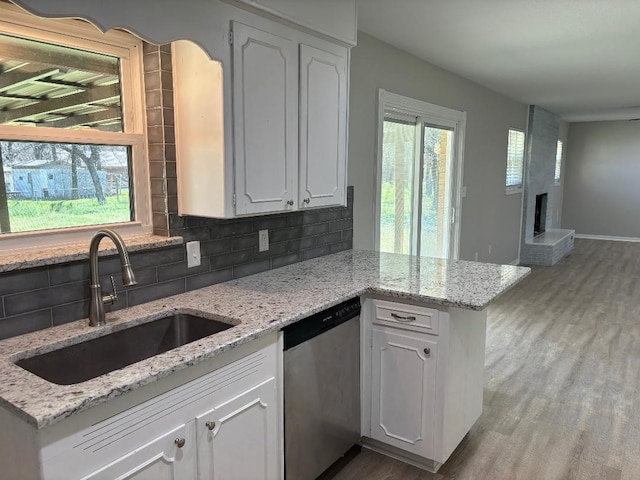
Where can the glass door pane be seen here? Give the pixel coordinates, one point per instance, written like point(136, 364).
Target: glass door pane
point(436, 212)
point(396, 199)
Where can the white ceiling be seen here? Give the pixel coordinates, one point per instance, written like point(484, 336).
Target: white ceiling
point(577, 58)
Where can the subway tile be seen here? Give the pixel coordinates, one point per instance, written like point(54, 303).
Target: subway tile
point(158, 203)
point(167, 98)
point(157, 170)
point(347, 235)
point(316, 229)
point(328, 215)
point(231, 259)
point(210, 278)
point(165, 60)
point(341, 225)
point(144, 276)
point(155, 134)
point(339, 247)
point(334, 237)
point(172, 203)
point(168, 116)
point(178, 270)
point(232, 228)
point(153, 98)
point(152, 79)
point(149, 48)
point(15, 282)
point(70, 312)
point(288, 259)
point(169, 134)
point(154, 116)
point(270, 222)
point(215, 247)
point(316, 252)
point(170, 169)
point(170, 153)
point(286, 234)
point(251, 268)
point(158, 186)
point(44, 298)
point(245, 242)
point(19, 324)
point(154, 292)
point(154, 258)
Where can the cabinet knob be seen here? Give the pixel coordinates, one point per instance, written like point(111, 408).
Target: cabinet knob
point(290, 203)
point(179, 442)
point(210, 425)
point(307, 200)
point(427, 352)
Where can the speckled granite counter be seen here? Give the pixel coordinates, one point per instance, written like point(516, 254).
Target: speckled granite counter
point(257, 305)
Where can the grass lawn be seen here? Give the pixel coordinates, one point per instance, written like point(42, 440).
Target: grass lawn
point(29, 215)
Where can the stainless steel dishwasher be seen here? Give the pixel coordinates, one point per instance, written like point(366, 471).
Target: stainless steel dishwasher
point(321, 389)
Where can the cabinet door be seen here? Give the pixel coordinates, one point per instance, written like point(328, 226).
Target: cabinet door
point(159, 459)
point(323, 127)
point(239, 439)
point(265, 94)
point(403, 382)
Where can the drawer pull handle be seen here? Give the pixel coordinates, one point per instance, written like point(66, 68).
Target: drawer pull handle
point(400, 318)
point(210, 425)
point(179, 442)
point(427, 352)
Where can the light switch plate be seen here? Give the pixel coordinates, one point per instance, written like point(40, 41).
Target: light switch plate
point(263, 240)
point(193, 254)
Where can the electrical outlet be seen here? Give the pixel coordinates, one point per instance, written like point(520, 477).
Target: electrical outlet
point(193, 254)
point(263, 240)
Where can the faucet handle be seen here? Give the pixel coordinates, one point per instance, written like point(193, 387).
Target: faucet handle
point(111, 298)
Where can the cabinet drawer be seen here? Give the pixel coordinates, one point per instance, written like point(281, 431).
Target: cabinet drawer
point(426, 319)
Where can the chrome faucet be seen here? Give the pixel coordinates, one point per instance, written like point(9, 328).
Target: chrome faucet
point(96, 300)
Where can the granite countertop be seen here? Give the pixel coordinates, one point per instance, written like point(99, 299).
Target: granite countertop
point(257, 305)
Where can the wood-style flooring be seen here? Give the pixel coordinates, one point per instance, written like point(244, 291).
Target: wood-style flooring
point(562, 386)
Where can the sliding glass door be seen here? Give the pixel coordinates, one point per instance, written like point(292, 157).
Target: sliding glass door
point(419, 167)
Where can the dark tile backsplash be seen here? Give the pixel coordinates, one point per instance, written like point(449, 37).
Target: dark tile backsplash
point(43, 297)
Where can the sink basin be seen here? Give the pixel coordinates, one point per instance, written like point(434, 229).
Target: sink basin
point(92, 358)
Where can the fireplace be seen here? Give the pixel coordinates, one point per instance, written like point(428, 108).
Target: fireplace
point(540, 220)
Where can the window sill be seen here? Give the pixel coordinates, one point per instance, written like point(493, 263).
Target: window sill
point(23, 259)
point(512, 190)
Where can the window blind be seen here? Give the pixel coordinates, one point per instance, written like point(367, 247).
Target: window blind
point(515, 158)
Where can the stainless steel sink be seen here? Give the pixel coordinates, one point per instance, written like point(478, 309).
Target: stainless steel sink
point(92, 358)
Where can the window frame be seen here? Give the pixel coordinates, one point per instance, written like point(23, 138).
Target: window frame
point(516, 188)
point(85, 36)
point(399, 107)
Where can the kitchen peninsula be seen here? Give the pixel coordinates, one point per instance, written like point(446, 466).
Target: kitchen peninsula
point(258, 306)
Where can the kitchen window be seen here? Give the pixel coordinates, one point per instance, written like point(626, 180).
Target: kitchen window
point(72, 143)
point(556, 176)
point(515, 161)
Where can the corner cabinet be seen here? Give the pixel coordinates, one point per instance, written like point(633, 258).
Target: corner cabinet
point(199, 429)
point(265, 129)
point(422, 379)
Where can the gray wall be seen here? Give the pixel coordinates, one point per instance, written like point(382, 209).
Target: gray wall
point(489, 217)
point(601, 195)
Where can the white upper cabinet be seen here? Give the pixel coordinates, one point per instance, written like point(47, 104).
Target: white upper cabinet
point(323, 116)
point(265, 129)
point(265, 93)
point(334, 18)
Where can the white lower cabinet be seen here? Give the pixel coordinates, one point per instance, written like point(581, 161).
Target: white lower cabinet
point(403, 390)
point(170, 456)
point(237, 439)
point(422, 378)
point(224, 424)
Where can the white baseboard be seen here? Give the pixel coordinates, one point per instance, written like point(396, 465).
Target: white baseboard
point(515, 262)
point(607, 237)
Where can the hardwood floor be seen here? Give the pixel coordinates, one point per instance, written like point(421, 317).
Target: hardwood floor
point(561, 397)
